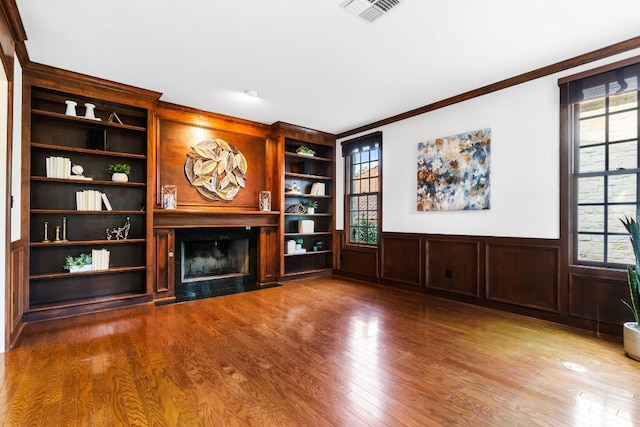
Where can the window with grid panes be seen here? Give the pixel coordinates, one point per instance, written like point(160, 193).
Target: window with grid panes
point(605, 175)
point(363, 174)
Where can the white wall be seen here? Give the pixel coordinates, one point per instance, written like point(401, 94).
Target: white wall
point(524, 122)
point(17, 150)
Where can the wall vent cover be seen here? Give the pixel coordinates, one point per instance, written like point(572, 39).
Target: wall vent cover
point(369, 10)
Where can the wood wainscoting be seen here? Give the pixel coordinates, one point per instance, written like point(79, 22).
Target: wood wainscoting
point(520, 275)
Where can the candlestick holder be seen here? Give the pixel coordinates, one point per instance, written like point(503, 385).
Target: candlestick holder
point(46, 232)
point(64, 229)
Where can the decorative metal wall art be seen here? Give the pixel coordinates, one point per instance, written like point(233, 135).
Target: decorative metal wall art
point(216, 169)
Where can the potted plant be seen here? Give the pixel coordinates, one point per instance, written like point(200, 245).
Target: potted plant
point(119, 172)
point(82, 262)
point(311, 206)
point(631, 331)
point(305, 151)
point(299, 242)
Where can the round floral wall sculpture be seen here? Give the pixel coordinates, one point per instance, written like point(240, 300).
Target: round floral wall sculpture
point(216, 169)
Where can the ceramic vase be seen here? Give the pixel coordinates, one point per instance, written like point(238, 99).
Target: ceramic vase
point(90, 112)
point(311, 211)
point(631, 336)
point(71, 108)
point(119, 177)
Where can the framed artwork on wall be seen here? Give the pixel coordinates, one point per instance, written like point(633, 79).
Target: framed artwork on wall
point(454, 172)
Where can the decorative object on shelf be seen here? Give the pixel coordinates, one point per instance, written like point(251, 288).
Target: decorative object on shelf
point(119, 172)
point(114, 117)
point(90, 111)
point(297, 208)
point(454, 172)
point(631, 331)
point(299, 242)
point(293, 189)
point(216, 169)
point(265, 200)
point(71, 107)
point(57, 234)
point(169, 196)
point(305, 226)
point(305, 151)
point(77, 172)
point(64, 229)
point(291, 246)
point(97, 139)
point(46, 232)
point(318, 245)
point(310, 206)
point(82, 262)
point(119, 233)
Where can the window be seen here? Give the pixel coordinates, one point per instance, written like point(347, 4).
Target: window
point(363, 189)
point(605, 175)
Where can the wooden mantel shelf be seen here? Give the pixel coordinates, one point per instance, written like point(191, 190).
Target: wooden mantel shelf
point(193, 217)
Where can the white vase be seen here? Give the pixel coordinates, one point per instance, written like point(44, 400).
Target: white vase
point(119, 177)
point(631, 337)
point(71, 108)
point(311, 211)
point(90, 112)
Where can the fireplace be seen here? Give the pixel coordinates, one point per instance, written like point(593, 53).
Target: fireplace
point(215, 261)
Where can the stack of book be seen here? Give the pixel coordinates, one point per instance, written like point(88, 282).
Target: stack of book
point(91, 200)
point(317, 189)
point(305, 226)
point(100, 259)
point(58, 167)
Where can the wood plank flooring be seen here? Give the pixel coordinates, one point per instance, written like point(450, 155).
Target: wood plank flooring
point(321, 352)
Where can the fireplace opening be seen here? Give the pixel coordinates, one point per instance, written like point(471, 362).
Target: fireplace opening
point(215, 261)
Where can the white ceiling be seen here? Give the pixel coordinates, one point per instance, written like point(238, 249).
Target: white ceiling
point(313, 63)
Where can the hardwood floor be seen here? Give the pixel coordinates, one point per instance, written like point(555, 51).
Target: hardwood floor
point(319, 352)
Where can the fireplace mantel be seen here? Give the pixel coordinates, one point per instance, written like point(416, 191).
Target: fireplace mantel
point(193, 217)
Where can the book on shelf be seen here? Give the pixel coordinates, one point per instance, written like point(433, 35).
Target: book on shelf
point(305, 226)
point(105, 199)
point(80, 177)
point(318, 189)
point(89, 200)
point(58, 167)
point(100, 259)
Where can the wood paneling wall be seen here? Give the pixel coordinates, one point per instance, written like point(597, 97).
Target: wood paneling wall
point(180, 128)
point(512, 274)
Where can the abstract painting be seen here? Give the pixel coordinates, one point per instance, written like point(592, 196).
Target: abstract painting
point(454, 172)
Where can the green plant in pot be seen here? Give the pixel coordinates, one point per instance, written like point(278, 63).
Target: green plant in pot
point(119, 172)
point(82, 262)
point(305, 151)
point(311, 206)
point(631, 331)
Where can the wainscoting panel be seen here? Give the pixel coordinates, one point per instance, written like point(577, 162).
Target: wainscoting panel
point(453, 266)
point(359, 261)
point(401, 259)
point(523, 275)
point(598, 299)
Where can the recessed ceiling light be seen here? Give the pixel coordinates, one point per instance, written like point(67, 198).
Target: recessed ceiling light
point(252, 93)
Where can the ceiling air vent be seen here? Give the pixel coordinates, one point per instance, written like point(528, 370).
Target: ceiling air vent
point(369, 10)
